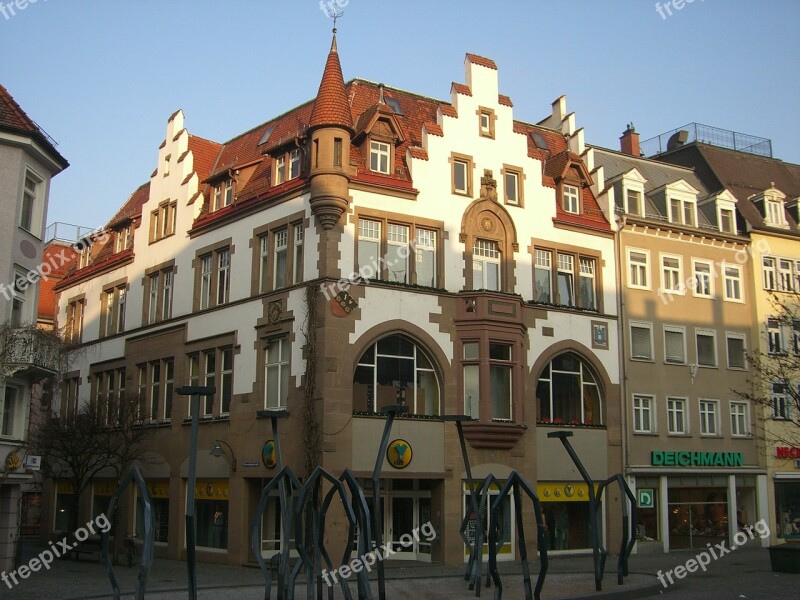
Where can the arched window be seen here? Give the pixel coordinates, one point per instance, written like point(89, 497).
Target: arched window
point(568, 392)
point(395, 370)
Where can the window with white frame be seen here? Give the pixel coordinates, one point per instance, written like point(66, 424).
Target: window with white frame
point(776, 342)
point(485, 265)
point(633, 202)
point(213, 278)
point(676, 416)
point(568, 391)
point(217, 196)
point(588, 298)
point(733, 283)
point(18, 312)
point(706, 347)
point(566, 279)
point(461, 179)
point(571, 199)
point(643, 413)
point(486, 123)
point(785, 275)
point(775, 213)
point(638, 269)
point(294, 163)
point(379, 157)
point(206, 264)
point(263, 263)
point(641, 340)
point(113, 307)
point(12, 410)
point(369, 245)
point(276, 388)
point(512, 189)
point(781, 408)
point(500, 369)
point(702, 279)
point(726, 221)
point(397, 252)
point(31, 201)
point(158, 295)
point(740, 419)
point(226, 379)
point(674, 344)
point(735, 343)
point(152, 308)
point(709, 410)
point(167, 281)
point(795, 327)
point(542, 276)
point(769, 272)
point(682, 212)
point(425, 255)
point(228, 192)
point(223, 276)
point(281, 249)
point(298, 253)
point(280, 169)
point(671, 274)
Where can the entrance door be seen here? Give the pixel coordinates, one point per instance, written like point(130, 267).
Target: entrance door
point(409, 513)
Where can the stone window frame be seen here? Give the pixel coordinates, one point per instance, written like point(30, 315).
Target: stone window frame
point(518, 171)
point(204, 346)
point(480, 112)
point(290, 223)
point(197, 264)
point(577, 253)
point(469, 161)
point(159, 269)
point(114, 288)
point(413, 223)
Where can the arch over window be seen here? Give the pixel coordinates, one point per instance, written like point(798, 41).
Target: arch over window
point(396, 370)
point(569, 392)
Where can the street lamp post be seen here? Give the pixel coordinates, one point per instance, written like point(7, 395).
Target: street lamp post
point(217, 451)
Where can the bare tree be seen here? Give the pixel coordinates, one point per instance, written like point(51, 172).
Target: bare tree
point(776, 373)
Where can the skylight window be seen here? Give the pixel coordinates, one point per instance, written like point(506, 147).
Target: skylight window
point(266, 135)
point(394, 105)
point(539, 140)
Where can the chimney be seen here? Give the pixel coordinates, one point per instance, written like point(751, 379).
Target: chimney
point(629, 142)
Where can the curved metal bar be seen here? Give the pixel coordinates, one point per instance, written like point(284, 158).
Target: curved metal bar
point(134, 475)
point(361, 510)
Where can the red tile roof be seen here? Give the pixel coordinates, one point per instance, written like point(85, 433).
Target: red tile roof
point(13, 118)
point(205, 154)
point(434, 129)
point(460, 88)
point(505, 100)
point(330, 107)
point(482, 61)
point(448, 110)
point(133, 205)
point(418, 152)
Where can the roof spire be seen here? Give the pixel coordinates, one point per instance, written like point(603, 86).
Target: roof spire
point(331, 106)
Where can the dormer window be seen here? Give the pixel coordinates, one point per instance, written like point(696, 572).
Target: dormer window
point(682, 212)
point(571, 199)
point(726, 222)
point(229, 192)
point(294, 164)
point(218, 197)
point(774, 212)
point(633, 202)
point(280, 170)
point(288, 166)
point(379, 155)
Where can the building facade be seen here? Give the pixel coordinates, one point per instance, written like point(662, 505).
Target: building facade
point(368, 248)
point(766, 192)
point(28, 161)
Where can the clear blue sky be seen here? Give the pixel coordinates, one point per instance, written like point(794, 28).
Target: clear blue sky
point(102, 77)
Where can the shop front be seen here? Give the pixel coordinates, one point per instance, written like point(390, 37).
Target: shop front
point(689, 499)
point(565, 508)
point(786, 483)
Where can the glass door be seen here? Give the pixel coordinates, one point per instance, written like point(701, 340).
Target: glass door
point(402, 526)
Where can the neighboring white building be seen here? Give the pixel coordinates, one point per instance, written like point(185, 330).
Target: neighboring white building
point(28, 160)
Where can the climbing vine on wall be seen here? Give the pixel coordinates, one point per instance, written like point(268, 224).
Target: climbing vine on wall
point(311, 429)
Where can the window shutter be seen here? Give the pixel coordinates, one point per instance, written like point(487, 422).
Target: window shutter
point(674, 346)
point(640, 341)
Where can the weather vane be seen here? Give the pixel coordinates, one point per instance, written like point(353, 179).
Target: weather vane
point(333, 9)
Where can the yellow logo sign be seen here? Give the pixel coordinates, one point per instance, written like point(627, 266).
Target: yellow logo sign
point(399, 454)
point(13, 461)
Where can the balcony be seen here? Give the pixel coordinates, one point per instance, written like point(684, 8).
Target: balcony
point(29, 352)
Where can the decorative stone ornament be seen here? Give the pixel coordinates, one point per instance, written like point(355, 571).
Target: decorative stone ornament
point(488, 186)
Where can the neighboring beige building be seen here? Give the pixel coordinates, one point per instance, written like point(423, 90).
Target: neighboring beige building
point(28, 160)
point(766, 191)
point(691, 454)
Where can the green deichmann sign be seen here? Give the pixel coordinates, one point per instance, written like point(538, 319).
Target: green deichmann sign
point(662, 458)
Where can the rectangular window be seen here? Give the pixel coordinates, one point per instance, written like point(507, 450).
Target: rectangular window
point(397, 252)
point(770, 274)
point(169, 387)
point(512, 187)
point(780, 402)
point(369, 244)
point(280, 170)
point(337, 152)
point(461, 177)
point(542, 284)
point(706, 347)
point(276, 390)
point(142, 397)
point(682, 211)
point(298, 253)
point(155, 390)
point(571, 199)
point(226, 391)
point(676, 416)
point(223, 276)
point(671, 271)
point(425, 255)
point(726, 220)
point(643, 414)
point(500, 380)
point(12, 407)
point(775, 336)
point(702, 279)
point(218, 197)
point(30, 197)
point(205, 281)
point(736, 350)
point(740, 421)
point(733, 283)
point(209, 380)
point(113, 306)
point(638, 269)
point(485, 265)
point(641, 341)
point(379, 156)
point(486, 123)
point(708, 417)
point(587, 285)
point(263, 265)
point(294, 164)
point(167, 278)
point(281, 245)
point(566, 279)
point(775, 212)
point(152, 309)
point(74, 327)
point(633, 202)
point(785, 278)
point(229, 192)
point(674, 345)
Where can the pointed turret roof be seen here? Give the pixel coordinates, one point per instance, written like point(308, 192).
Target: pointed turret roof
point(331, 106)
